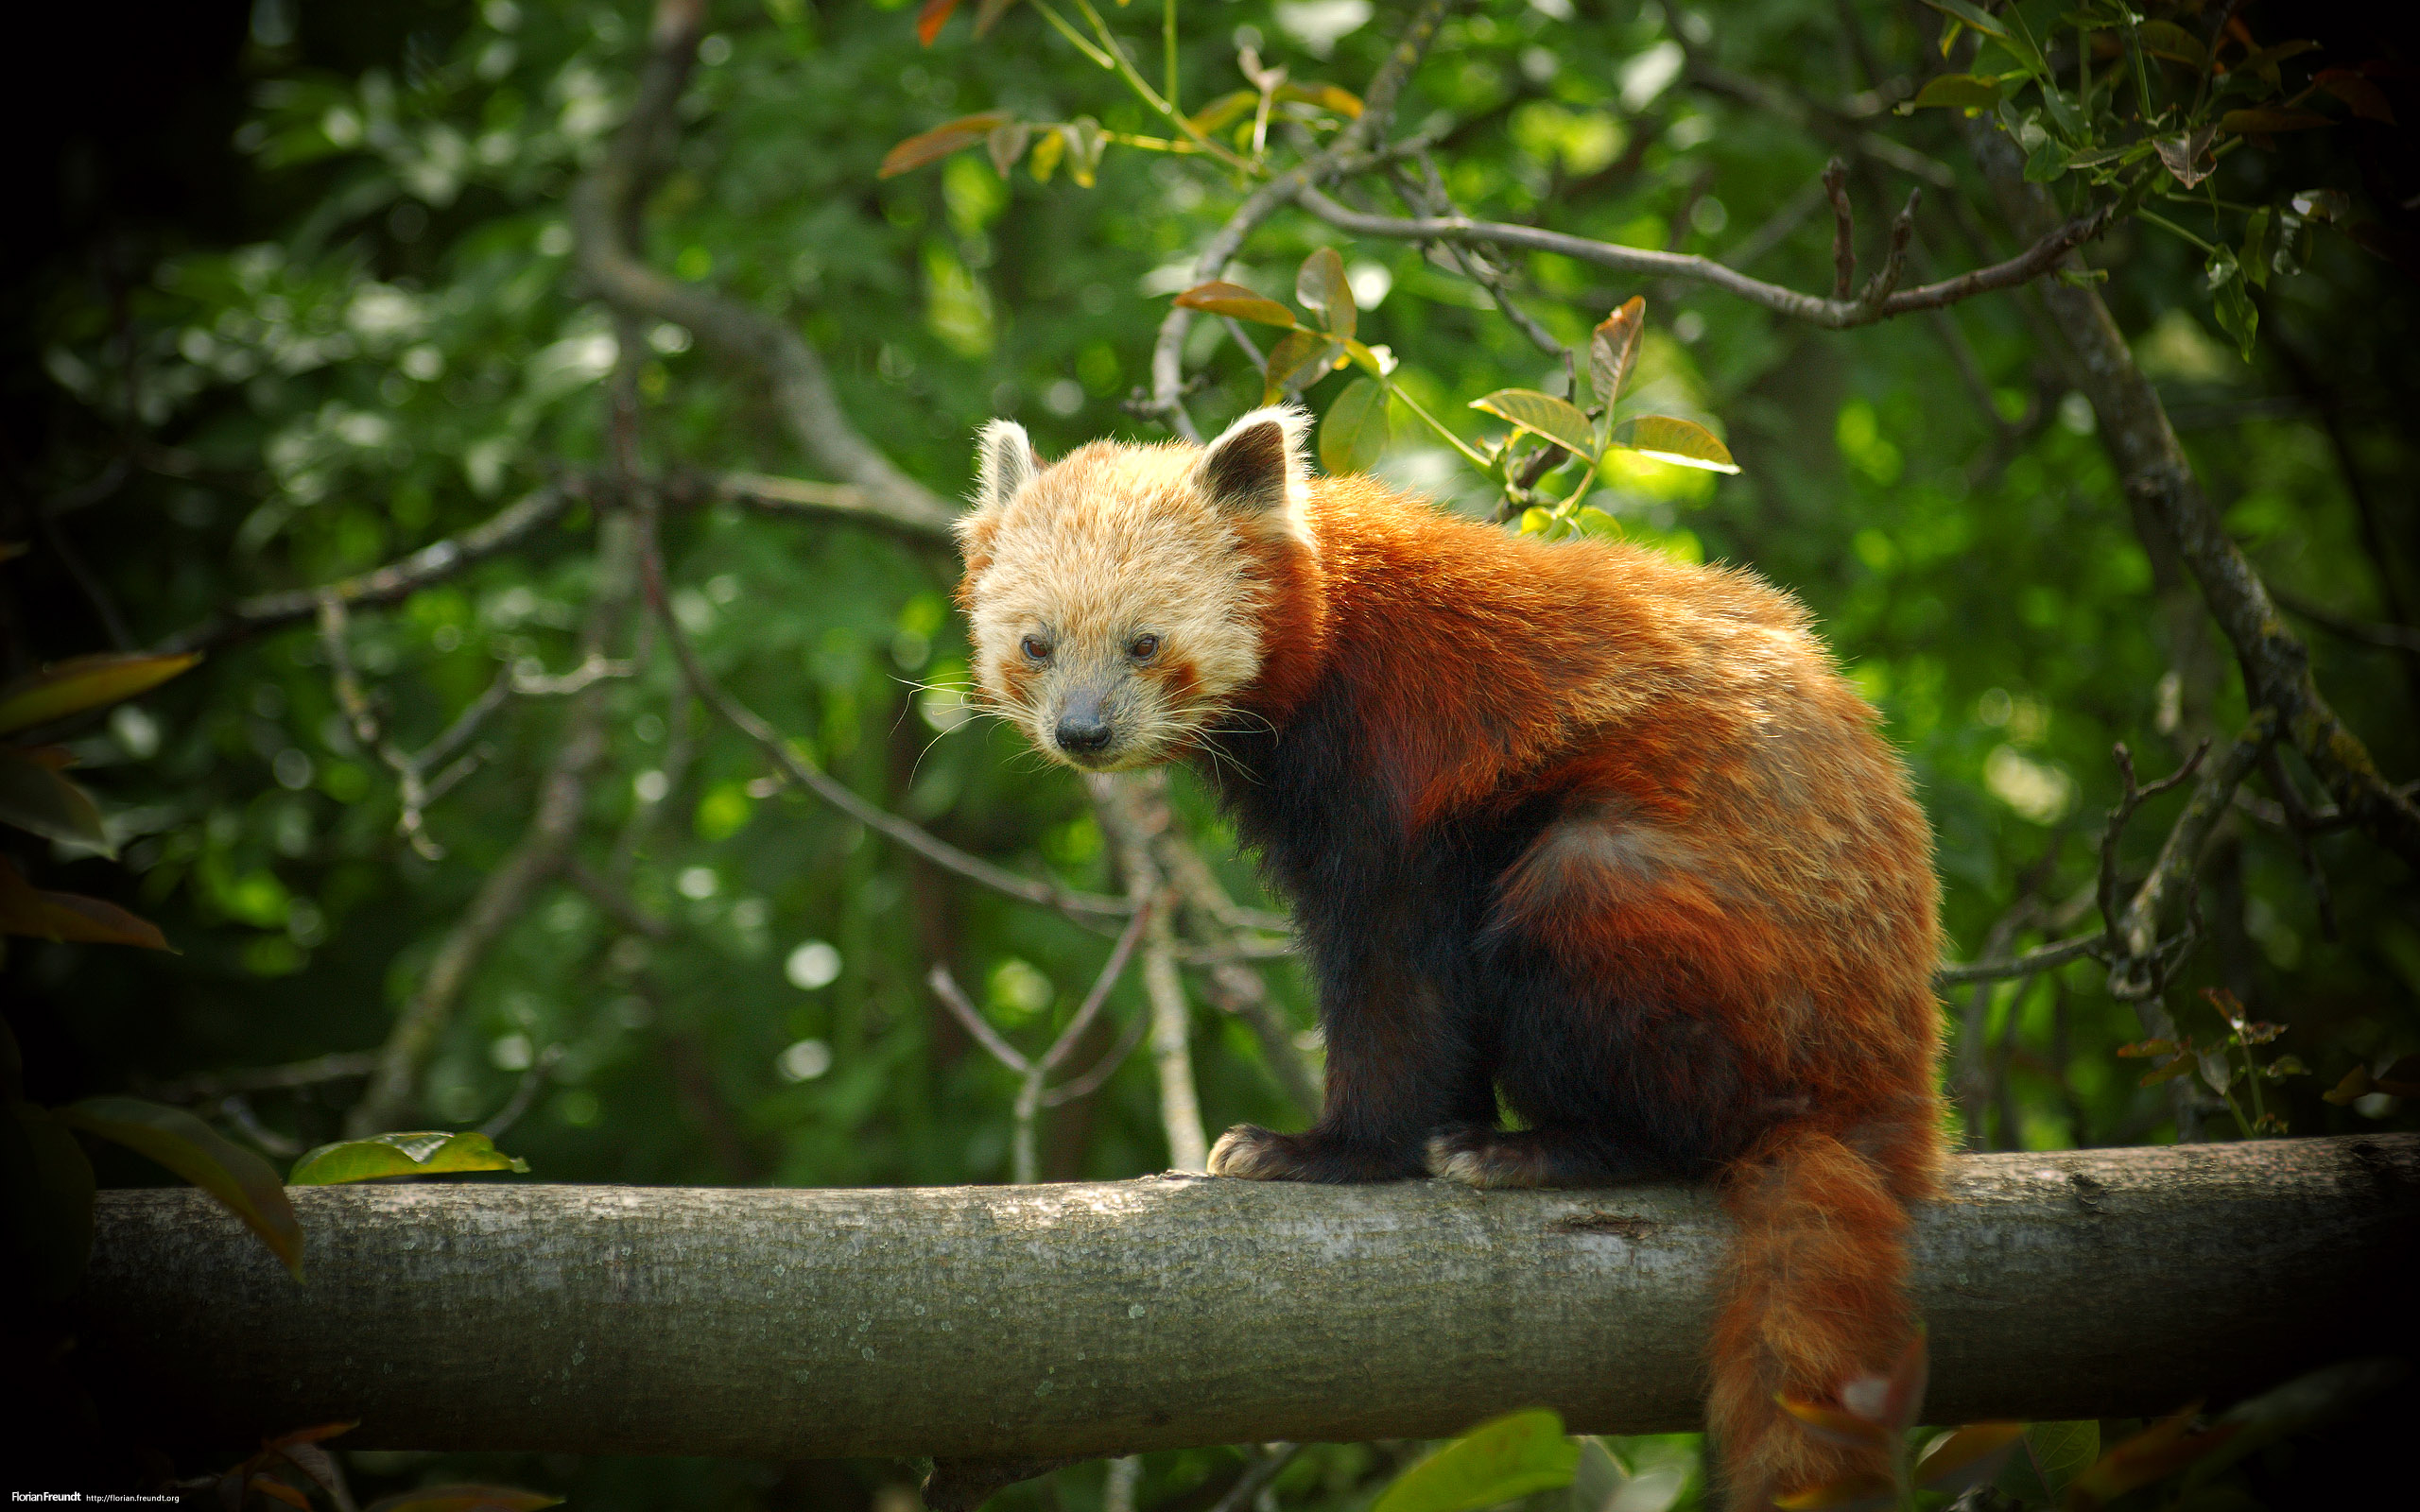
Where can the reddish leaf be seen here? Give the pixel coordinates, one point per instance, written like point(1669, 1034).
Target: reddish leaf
point(265, 1485)
point(988, 15)
point(1972, 1453)
point(1833, 1426)
point(33, 796)
point(2146, 1047)
point(2168, 1072)
point(939, 142)
point(2156, 1452)
point(194, 1150)
point(318, 1435)
point(2265, 118)
point(1219, 297)
point(67, 916)
point(930, 17)
point(2367, 99)
point(1613, 350)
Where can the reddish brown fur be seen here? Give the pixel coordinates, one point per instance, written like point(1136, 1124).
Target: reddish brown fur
point(1802, 921)
point(1700, 841)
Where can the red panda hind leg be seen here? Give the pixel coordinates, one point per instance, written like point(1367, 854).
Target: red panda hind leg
point(1477, 1155)
point(1815, 1298)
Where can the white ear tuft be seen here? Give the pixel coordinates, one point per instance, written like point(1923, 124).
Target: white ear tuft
point(1004, 460)
point(1257, 469)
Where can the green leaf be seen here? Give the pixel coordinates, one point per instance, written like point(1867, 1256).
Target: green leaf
point(1086, 142)
point(199, 1153)
point(1597, 1478)
point(1557, 420)
point(1534, 522)
point(1299, 359)
point(1225, 110)
point(1972, 92)
point(1495, 1462)
point(2166, 39)
point(1007, 145)
point(1320, 285)
point(1613, 352)
point(939, 142)
point(2257, 246)
point(1961, 11)
point(2061, 1450)
point(2238, 315)
point(1219, 297)
point(428, 1154)
point(1670, 439)
point(83, 683)
point(46, 1197)
point(34, 798)
point(1355, 431)
point(464, 1499)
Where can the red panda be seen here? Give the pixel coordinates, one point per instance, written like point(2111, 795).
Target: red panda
point(1599, 833)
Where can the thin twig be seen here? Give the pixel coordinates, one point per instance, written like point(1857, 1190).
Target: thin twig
point(524, 1094)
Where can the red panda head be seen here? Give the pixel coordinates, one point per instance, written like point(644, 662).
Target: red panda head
point(1116, 597)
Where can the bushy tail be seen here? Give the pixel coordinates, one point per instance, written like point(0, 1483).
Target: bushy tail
point(1815, 1297)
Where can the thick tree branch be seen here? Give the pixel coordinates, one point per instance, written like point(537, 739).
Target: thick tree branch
point(1103, 1318)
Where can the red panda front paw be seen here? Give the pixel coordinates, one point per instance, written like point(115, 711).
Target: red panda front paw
point(1478, 1156)
point(1254, 1154)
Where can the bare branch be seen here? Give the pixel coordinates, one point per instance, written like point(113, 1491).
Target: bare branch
point(398, 580)
point(338, 1066)
point(954, 997)
point(1831, 314)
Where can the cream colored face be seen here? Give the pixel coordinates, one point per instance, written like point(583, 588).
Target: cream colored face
point(1110, 595)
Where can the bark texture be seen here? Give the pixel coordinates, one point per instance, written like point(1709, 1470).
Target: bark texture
point(1103, 1318)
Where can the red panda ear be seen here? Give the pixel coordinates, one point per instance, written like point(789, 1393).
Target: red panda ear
point(1256, 470)
point(1004, 460)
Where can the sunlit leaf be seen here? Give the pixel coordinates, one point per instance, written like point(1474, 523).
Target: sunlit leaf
point(36, 798)
point(1970, 92)
point(384, 1155)
point(1224, 110)
point(1007, 145)
point(1968, 1456)
point(2331, 205)
point(2166, 39)
point(1670, 439)
point(464, 1499)
point(1086, 142)
point(2060, 1450)
point(2266, 118)
point(1219, 297)
point(65, 916)
point(1612, 350)
point(930, 17)
point(1299, 359)
point(83, 683)
point(2187, 155)
point(1557, 420)
point(1326, 97)
point(1320, 285)
point(1354, 432)
point(939, 142)
point(199, 1153)
point(1499, 1461)
point(1046, 157)
point(1833, 1425)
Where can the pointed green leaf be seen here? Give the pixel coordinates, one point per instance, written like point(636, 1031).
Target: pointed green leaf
point(199, 1153)
point(83, 683)
point(1557, 420)
point(1612, 350)
point(34, 798)
point(1355, 431)
point(2166, 39)
point(1670, 439)
point(1007, 145)
point(1299, 359)
point(1320, 285)
point(1499, 1461)
point(2061, 1450)
point(1961, 11)
point(1958, 91)
point(428, 1154)
point(1219, 297)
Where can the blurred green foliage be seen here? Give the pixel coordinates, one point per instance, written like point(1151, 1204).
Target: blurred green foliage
point(373, 338)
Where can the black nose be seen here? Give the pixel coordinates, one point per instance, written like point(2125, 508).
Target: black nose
point(1081, 735)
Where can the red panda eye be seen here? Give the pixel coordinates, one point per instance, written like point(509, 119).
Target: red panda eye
point(1142, 647)
point(1035, 648)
